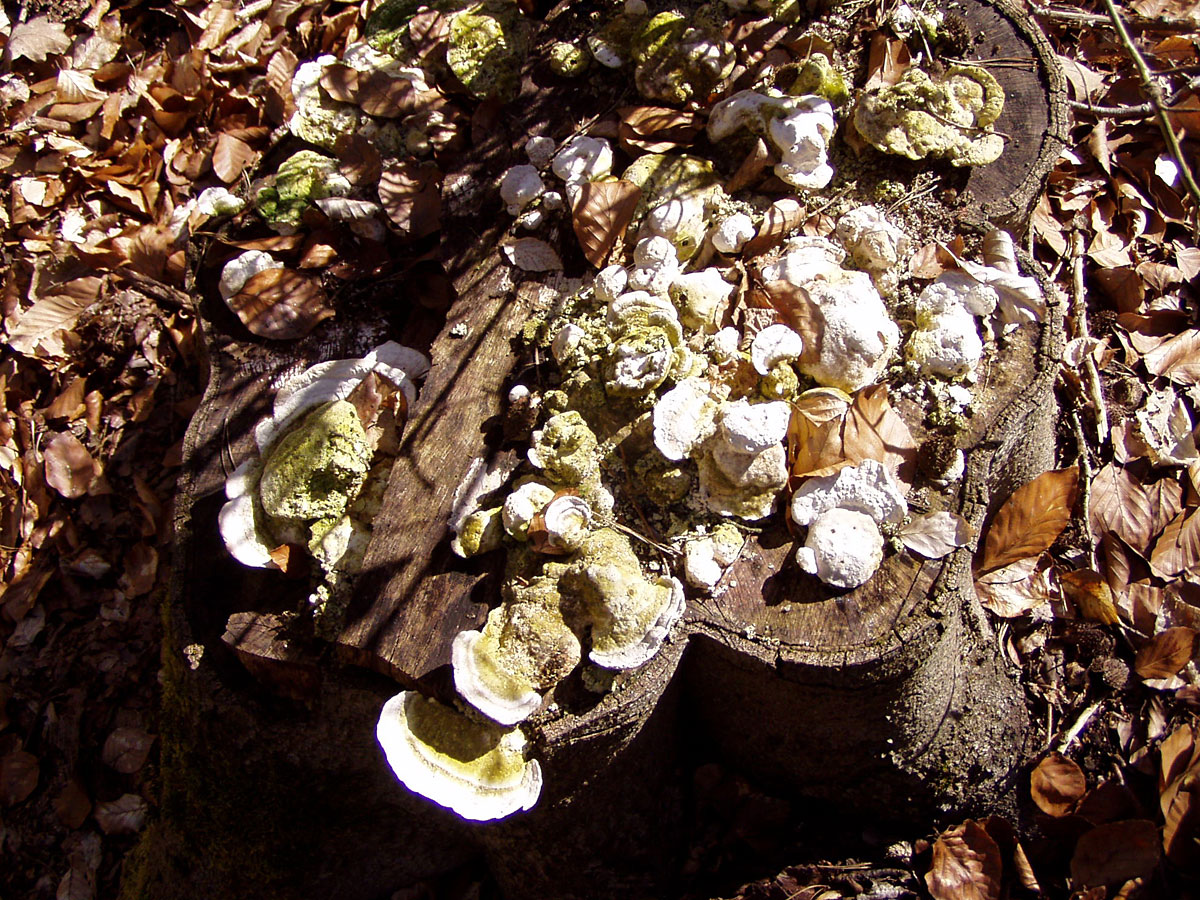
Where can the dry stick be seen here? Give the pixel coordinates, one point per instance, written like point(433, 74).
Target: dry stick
point(1164, 123)
point(1080, 317)
point(1148, 22)
point(1085, 487)
point(1078, 728)
point(1142, 111)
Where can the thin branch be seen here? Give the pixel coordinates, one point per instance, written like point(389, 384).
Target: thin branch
point(1148, 22)
point(1078, 727)
point(1080, 318)
point(1164, 123)
point(1142, 111)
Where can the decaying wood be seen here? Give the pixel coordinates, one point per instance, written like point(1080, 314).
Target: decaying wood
point(888, 699)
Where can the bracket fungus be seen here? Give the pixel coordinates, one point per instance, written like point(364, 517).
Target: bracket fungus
point(476, 769)
point(949, 117)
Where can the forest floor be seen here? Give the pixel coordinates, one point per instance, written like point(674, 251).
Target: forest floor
point(118, 114)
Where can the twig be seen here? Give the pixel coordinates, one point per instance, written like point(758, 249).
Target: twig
point(165, 293)
point(1085, 486)
point(1080, 318)
point(1148, 22)
point(1141, 111)
point(1078, 727)
point(1164, 123)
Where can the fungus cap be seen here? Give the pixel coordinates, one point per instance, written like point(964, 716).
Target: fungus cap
point(868, 488)
point(773, 345)
point(475, 769)
point(755, 427)
point(684, 417)
point(733, 232)
point(844, 548)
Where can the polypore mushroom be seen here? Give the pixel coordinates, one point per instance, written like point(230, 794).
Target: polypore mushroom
point(875, 244)
point(802, 136)
point(583, 159)
point(522, 505)
point(684, 417)
point(743, 465)
point(843, 548)
point(773, 345)
point(868, 487)
point(241, 269)
point(857, 336)
point(519, 187)
point(476, 769)
point(732, 233)
point(523, 650)
point(701, 298)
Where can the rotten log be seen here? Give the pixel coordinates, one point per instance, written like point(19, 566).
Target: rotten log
point(889, 700)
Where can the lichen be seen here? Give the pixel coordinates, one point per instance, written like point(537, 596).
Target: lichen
point(487, 45)
point(680, 59)
point(948, 117)
point(301, 179)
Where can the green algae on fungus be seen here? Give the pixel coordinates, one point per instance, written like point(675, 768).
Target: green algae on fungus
point(948, 117)
point(568, 60)
point(488, 44)
point(301, 179)
point(681, 60)
point(566, 449)
point(818, 77)
point(476, 769)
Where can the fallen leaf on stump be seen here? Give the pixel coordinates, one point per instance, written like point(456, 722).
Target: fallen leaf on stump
point(19, 773)
point(601, 214)
point(1091, 594)
point(532, 255)
point(125, 815)
point(411, 196)
point(1057, 785)
point(126, 749)
point(281, 304)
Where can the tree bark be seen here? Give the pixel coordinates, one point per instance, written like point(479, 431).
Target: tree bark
point(889, 700)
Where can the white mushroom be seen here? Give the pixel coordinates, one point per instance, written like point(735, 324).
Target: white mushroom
point(946, 343)
point(567, 520)
point(875, 244)
point(610, 283)
point(858, 336)
point(843, 548)
point(868, 488)
point(539, 150)
point(241, 269)
point(566, 342)
point(725, 344)
point(218, 201)
point(773, 345)
point(656, 265)
point(733, 232)
point(519, 187)
point(753, 427)
point(701, 297)
point(805, 259)
point(477, 770)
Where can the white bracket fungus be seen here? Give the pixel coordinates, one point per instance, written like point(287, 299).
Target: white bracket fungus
point(875, 244)
point(868, 488)
point(803, 136)
point(656, 265)
point(701, 298)
point(706, 558)
point(523, 650)
point(732, 233)
point(583, 159)
point(647, 343)
point(519, 187)
point(804, 259)
point(475, 769)
point(522, 505)
point(844, 548)
point(318, 119)
point(773, 345)
point(241, 269)
point(946, 340)
point(744, 466)
point(567, 520)
point(858, 336)
point(684, 417)
point(610, 283)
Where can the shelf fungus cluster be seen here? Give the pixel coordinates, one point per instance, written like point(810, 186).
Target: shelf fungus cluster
point(322, 462)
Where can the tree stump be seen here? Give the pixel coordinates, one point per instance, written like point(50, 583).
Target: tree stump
point(889, 699)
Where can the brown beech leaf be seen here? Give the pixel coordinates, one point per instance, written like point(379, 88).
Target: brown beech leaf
point(1166, 654)
point(1178, 547)
point(1057, 784)
point(292, 559)
point(1091, 594)
point(1115, 852)
point(1134, 511)
point(601, 214)
point(1031, 519)
point(1177, 358)
point(815, 433)
point(874, 430)
point(967, 865)
point(411, 195)
point(70, 469)
point(887, 61)
point(781, 217)
point(936, 534)
point(230, 158)
point(340, 82)
point(658, 129)
point(141, 570)
point(37, 39)
point(532, 255)
point(125, 815)
point(281, 304)
point(72, 805)
point(359, 160)
point(380, 94)
point(18, 776)
point(126, 749)
point(1015, 589)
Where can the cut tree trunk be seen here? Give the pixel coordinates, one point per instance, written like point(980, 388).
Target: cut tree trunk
point(890, 699)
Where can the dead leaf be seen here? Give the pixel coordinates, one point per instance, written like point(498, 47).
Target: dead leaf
point(1134, 511)
point(1015, 589)
point(1178, 547)
point(781, 218)
point(887, 61)
point(281, 304)
point(141, 570)
point(230, 158)
point(1115, 852)
point(1177, 358)
point(38, 38)
point(1166, 654)
point(1031, 519)
point(411, 195)
point(601, 214)
point(1086, 84)
point(53, 313)
point(72, 805)
point(384, 95)
point(930, 261)
point(967, 865)
point(19, 773)
point(1057, 785)
point(340, 82)
point(126, 749)
point(532, 255)
point(125, 815)
point(657, 129)
point(70, 469)
point(936, 534)
point(1091, 595)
